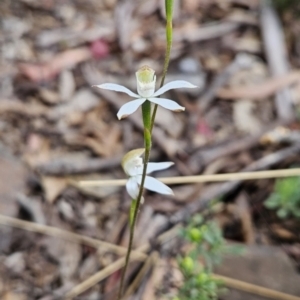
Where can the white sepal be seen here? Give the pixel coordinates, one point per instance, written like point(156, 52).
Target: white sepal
point(155, 185)
point(129, 108)
point(117, 88)
point(177, 84)
point(168, 104)
point(152, 167)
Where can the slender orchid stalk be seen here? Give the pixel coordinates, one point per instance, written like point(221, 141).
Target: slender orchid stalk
point(148, 126)
point(132, 163)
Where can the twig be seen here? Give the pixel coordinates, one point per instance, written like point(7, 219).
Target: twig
point(206, 32)
point(273, 38)
point(254, 289)
point(72, 166)
point(67, 235)
point(205, 178)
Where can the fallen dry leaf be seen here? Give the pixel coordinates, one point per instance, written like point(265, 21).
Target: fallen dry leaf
point(53, 187)
point(47, 71)
point(14, 296)
point(83, 101)
point(260, 91)
point(155, 280)
point(244, 118)
point(26, 109)
point(67, 85)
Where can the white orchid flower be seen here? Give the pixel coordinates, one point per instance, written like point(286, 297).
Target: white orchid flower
point(146, 79)
point(133, 165)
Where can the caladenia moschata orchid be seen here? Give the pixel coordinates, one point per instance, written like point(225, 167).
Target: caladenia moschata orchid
point(132, 164)
point(146, 80)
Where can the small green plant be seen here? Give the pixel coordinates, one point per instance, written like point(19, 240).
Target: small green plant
point(285, 198)
point(207, 239)
point(208, 246)
point(199, 284)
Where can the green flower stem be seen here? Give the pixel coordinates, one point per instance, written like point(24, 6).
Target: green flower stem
point(146, 110)
point(169, 38)
point(131, 211)
point(148, 121)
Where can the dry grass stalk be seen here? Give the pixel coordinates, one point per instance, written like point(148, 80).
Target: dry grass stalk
point(67, 235)
point(203, 178)
point(254, 289)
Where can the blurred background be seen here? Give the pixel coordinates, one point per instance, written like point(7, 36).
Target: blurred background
point(56, 129)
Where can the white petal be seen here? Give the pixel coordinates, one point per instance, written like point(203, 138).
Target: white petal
point(129, 108)
point(155, 185)
point(152, 167)
point(168, 104)
point(177, 84)
point(117, 88)
point(132, 188)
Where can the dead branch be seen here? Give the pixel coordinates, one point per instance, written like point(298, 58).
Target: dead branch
point(276, 53)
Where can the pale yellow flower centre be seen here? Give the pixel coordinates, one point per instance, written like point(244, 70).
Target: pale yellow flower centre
point(145, 74)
